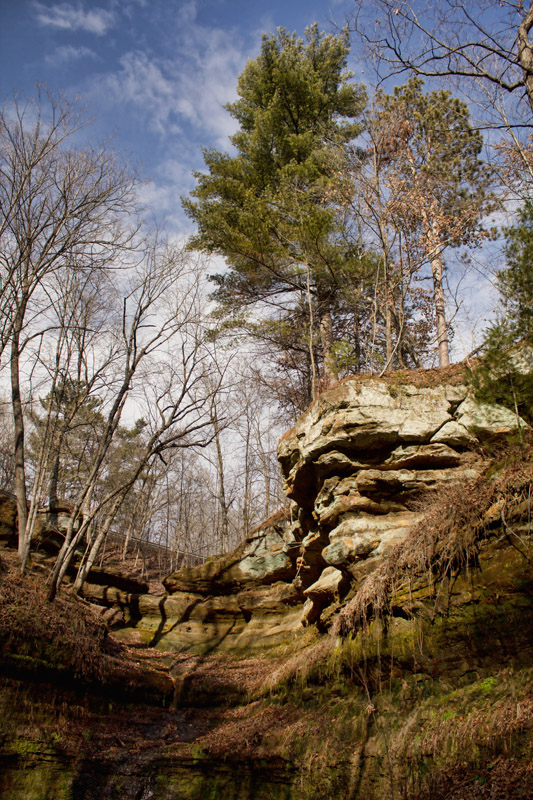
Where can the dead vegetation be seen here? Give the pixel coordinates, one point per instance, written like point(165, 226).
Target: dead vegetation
point(65, 632)
point(67, 641)
point(453, 375)
point(501, 779)
point(450, 535)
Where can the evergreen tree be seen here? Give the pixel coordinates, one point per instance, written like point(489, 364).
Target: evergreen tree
point(67, 436)
point(274, 210)
point(505, 374)
point(437, 180)
point(516, 281)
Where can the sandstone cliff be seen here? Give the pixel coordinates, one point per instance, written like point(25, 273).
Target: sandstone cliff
point(359, 466)
point(373, 640)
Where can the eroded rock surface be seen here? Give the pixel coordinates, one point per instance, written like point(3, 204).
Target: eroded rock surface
point(358, 467)
point(320, 717)
point(241, 601)
point(359, 463)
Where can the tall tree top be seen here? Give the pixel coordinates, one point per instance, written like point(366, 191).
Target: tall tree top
point(296, 107)
point(295, 100)
point(434, 148)
point(274, 210)
point(294, 91)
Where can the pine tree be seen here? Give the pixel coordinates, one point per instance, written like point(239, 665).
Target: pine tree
point(439, 185)
point(516, 281)
point(274, 210)
point(505, 374)
point(67, 436)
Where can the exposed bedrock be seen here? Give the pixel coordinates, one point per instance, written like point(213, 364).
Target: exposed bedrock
point(359, 466)
point(240, 601)
point(361, 463)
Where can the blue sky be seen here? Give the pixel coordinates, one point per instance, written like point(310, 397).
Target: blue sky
point(155, 74)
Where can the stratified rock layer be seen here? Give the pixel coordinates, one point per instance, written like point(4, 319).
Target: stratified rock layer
point(241, 601)
point(361, 461)
point(357, 467)
point(431, 699)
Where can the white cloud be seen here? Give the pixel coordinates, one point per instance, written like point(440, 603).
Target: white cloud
point(67, 17)
point(162, 194)
point(69, 53)
point(187, 13)
point(142, 83)
point(191, 87)
point(215, 62)
point(174, 87)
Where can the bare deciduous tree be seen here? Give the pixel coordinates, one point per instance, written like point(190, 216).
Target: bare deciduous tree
point(61, 209)
point(161, 368)
point(475, 40)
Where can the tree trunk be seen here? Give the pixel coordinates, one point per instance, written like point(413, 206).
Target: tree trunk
point(525, 53)
point(63, 562)
point(224, 511)
point(18, 454)
point(246, 497)
point(134, 518)
point(435, 257)
point(434, 253)
point(80, 514)
point(326, 338)
point(264, 463)
point(54, 479)
point(94, 548)
point(311, 337)
point(389, 300)
point(389, 352)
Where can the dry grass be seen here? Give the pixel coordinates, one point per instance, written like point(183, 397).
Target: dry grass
point(502, 720)
point(502, 778)
point(302, 665)
point(454, 375)
point(449, 536)
point(68, 639)
point(65, 633)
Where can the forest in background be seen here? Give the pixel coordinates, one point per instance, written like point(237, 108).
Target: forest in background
point(145, 394)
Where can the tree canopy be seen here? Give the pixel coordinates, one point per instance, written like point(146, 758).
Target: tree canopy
point(438, 183)
point(336, 218)
point(274, 209)
point(504, 374)
point(475, 40)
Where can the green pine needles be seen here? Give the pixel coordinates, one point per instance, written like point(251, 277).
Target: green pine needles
point(506, 372)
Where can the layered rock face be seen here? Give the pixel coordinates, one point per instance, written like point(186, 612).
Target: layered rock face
point(432, 699)
point(241, 601)
point(357, 466)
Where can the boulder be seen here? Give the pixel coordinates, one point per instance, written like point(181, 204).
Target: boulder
point(454, 434)
point(332, 585)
